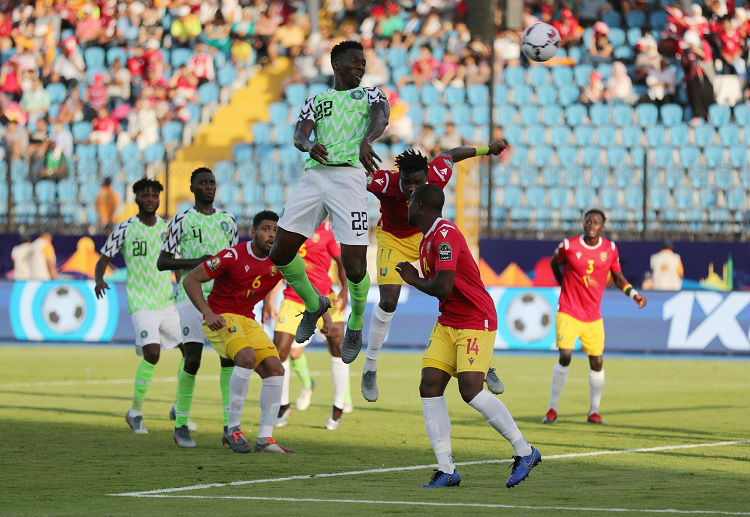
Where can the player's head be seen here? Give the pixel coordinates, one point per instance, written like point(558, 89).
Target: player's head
point(412, 166)
point(426, 203)
point(348, 62)
point(593, 223)
point(264, 230)
point(147, 195)
point(203, 185)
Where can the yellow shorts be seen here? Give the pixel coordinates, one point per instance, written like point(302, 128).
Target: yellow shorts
point(240, 332)
point(591, 333)
point(391, 251)
point(290, 314)
point(459, 350)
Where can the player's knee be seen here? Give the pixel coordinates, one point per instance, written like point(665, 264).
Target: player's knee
point(596, 363)
point(279, 257)
point(565, 359)
point(151, 353)
point(296, 353)
point(245, 358)
point(429, 389)
point(355, 271)
point(388, 304)
point(192, 363)
point(469, 389)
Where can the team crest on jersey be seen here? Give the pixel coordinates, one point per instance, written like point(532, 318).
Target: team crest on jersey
point(144, 334)
point(185, 331)
point(273, 270)
point(163, 235)
point(316, 237)
point(357, 94)
point(445, 252)
point(603, 256)
point(214, 263)
point(369, 179)
point(225, 226)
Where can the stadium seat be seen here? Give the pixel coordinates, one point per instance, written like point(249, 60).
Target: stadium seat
point(552, 115)
point(453, 95)
point(583, 135)
point(534, 135)
point(415, 114)
point(115, 53)
point(68, 191)
point(616, 35)
point(575, 54)
point(316, 89)
point(729, 134)
point(468, 132)
point(737, 199)
point(599, 114)
point(81, 131)
point(567, 156)
point(437, 115)
point(560, 136)
point(623, 53)
point(89, 192)
point(583, 195)
point(154, 153)
point(430, 95)
point(636, 19)
point(707, 197)
point(529, 114)
point(724, 178)
point(180, 56)
point(568, 94)
point(655, 135)
point(605, 136)
point(520, 156)
point(664, 156)
point(671, 114)
point(598, 176)
point(478, 94)
point(279, 113)
point(658, 20)
point(704, 135)
point(505, 115)
point(227, 75)
point(94, 57)
point(513, 134)
point(130, 152)
point(714, 156)
point(57, 92)
point(194, 109)
point(535, 196)
point(612, 19)
point(514, 76)
point(208, 93)
point(562, 76)
point(591, 156)
point(261, 133)
point(609, 196)
point(718, 114)
point(107, 153)
point(634, 34)
point(558, 197)
point(224, 171)
point(742, 114)
point(658, 197)
point(538, 75)
point(582, 73)
point(738, 156)
point(616, 156)
point(460, 114)
point(480, 115)
point(678, 135)
point(542, 155)
point(689, 156)
point(296, 93)
point(647, 114)
point(546, 95)
point(133, 171)
point(521, 94)
point(575, 114)
point(171, 132)
point(622, 115)
point(631, 135)
point(683, 198)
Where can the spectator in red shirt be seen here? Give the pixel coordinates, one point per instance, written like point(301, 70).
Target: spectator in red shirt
point(182, 85)
point(201, 64)
point(425, 68)
point(97, 95)
point(569, 29)
point(89, 28)
point(10, 84)
point(695, 56)
point(600, 50)
point(730, 49)
point(104, 126)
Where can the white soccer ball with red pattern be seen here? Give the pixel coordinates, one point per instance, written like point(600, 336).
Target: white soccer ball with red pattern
point(540, 42)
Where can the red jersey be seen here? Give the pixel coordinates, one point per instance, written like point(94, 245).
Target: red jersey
point(240, 280)
point(394, 204)
point(469, 305)
point(317, 253)
point(585, 276)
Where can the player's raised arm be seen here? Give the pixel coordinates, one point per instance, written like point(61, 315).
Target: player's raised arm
point(192, 284)
point(101, 266)
point(463, 152)
point(380, 111)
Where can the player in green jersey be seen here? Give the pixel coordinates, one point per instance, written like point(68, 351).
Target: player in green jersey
point(194, 235)
point(346, 120)
point(149, 291)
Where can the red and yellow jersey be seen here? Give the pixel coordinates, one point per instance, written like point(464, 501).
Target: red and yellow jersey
point(394, 204)
point(241, 280)
point(585, 274)
point(317, 252)
point(469, 305)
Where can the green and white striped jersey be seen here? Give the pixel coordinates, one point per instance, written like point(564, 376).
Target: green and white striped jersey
point(147, 288)
point(191, 234)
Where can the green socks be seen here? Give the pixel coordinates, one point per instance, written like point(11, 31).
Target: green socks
point(143, 376)
point(224, 376)
point(185, 387)
point(299, 366)
point(296, 276)
point(358, 297)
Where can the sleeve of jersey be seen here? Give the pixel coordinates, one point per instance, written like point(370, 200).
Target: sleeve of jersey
point(307, 112)
point(377, 182)
point(235, 233)
point(375, 94)
point(615, 267)
point(447, 249)
point(215, 266)
point(333, 248)
point(441, 171)
point(114, 241)
point(561, 255)
point(171, 242)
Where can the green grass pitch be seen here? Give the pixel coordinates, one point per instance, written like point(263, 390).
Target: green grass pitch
point(66, 447)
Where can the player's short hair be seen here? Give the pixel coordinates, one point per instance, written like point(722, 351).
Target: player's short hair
point(411, 161)
point(431, 196)
point(145, 183)
point(595, 211)
point(343, 47)
point(200, 170)
point(264, 215)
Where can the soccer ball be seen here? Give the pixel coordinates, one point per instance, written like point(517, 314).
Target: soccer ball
point(540, 42)
point(529, 316)
point(64, 309)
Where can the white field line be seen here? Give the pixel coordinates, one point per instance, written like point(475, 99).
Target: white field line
point(80, 382)
point(148, 493)
point(424, 503)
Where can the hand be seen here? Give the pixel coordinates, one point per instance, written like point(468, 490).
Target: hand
point(408, 272)
point(497, 147)
point(329, 329)
point(367, 156)
point(99, 289)
point(269, 313)
point(214, 321)
point(319, 153)
point(341, 300)
point(640, 300)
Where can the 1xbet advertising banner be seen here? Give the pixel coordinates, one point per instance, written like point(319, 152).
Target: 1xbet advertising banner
point(684, 321)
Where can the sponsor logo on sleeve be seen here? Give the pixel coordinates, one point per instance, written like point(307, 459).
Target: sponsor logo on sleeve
point(445, 253)
point(213, 263)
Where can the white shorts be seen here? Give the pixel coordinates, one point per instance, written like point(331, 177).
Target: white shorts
point(191, 322)
point(160, 326)
point(339, 192)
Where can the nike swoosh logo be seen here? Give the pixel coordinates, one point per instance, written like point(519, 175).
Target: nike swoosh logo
point(360, 234)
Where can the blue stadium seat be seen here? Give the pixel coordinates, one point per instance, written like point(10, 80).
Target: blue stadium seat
point(520, 156)
point(154, 153)
point(460, 114)
point(546, 95)
point(521, 94)
point(613, 19)
point(582, 73)
point(724, 178)
point(742, 114)
point(534, 135)
point(707, 197)
point(575, 114)
point(562, 76)
point(599, 176)
point(552, 115)
point(714, 156)
point(647, 114)
point(689, 156)
point(316, 88)
point(605, 70)
point(89, 192)
point(583, 135)
point(468, 132)
point(68, 190)
point(625, 176)
point(478, 94)
point(195, 111)
point(264, 153)
point(634, 34)
point(513, 134)
point(542, 155)
point(616, 156)
point(609, 196)
point(107, 153)
point(678, 135)
point(656, 135)
point(591, 156)
point(130, 152)
point(606, 135)
point(180, 56)
point(616, 36)
point(736, 199)
point(501, 95)
point(133, 171)
point(658, 197)
point(454, 95)
point(86, 152)
point(94, 57)
point(514, 75)
point(704, 135)
point(535, 196)
point(279, 113)
point(480, 115)
point(658, 20)
point(631, 135)
point(738, 156)
point(560, 136)
point(583, 195)
point(623, 53)
point(558, 197)
point(296, 93)
point(410, 94)
point(224, 171)
point(529, 114)
point(683, 198)
point(171, 132)
point(505, 115)
point(729, 134)
point(622, 115)
point(430, 95)
point(44, 191)
point(636, 19)
point(671, 114)
point(599, 114)
point(575, 54)
point(81, 130)
point(227, 75)
point(718, 114)
point(57, 92)
point(567, 156)
point(208, 93)
point(664, 156)
point(261, 133)
point(437, 115)
point(538, 75)
point(415, 114)
point(116, 53)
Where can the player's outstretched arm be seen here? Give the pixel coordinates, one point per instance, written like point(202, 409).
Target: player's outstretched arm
point(557, 270)
point(461, 153)
point(379, 113)
point(168, 262)
point(626, 287)
point(302, 132)
point(439, 286)
point(101, 266)
point(192, 284)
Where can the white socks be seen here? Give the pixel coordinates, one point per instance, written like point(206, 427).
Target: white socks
point(596, 382)
point(559, 374)
point(340, 374)
point(238, 384)
point(380, 322)
point(438, 425)
point(270, 400)
point(498, 416)
point(285, 387)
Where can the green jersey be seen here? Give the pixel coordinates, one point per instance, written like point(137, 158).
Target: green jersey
point(191, 234)
point(148, 289)
point(341, 119)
